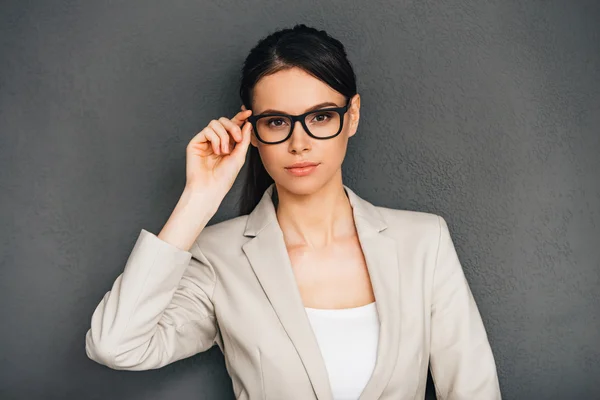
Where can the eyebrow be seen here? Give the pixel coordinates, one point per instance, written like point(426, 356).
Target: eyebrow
point(315, 107)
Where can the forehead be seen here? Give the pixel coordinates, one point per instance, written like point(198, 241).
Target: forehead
point(291, 90)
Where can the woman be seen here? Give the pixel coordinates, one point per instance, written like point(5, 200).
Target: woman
point(313, 292)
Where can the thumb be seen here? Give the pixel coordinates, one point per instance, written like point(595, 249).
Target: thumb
point(240, 148)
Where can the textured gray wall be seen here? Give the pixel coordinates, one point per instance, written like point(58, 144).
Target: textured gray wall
point(486, 112)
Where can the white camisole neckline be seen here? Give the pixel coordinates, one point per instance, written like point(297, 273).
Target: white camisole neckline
point(348, 340)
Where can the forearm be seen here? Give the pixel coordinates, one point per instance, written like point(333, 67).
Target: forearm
point(191, 214)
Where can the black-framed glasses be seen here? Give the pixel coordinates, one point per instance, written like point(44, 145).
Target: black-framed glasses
point(325, 123)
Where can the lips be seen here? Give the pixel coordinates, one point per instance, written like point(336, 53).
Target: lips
point(303, 164)
point(302, 171)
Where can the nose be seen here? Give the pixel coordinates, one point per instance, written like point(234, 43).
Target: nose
point(300, 140)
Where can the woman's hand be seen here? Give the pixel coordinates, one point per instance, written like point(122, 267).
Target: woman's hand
point(215, 156)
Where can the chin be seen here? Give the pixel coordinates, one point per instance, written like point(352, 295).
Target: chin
point(301, 186)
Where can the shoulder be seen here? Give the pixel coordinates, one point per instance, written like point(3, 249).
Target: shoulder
point(418, 231)
point(411, 221)
point(228, 231)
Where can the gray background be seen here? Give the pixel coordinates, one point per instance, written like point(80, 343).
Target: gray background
point(485, 112)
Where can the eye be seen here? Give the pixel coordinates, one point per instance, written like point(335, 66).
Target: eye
point(276, 122)
point(322, 117)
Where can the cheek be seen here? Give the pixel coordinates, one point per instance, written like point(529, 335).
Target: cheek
point(272, 157)
point(337, 150)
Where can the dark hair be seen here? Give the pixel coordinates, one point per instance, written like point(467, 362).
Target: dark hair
point(304, 47)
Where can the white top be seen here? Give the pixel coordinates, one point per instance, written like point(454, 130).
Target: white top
point(348, 339)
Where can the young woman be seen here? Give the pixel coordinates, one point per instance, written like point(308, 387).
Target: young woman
point(313, 292)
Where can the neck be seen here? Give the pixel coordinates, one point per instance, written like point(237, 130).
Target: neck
point(315, 220)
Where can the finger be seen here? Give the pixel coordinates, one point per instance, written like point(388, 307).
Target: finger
point(232, 128)
point(241, 117)
point(202, 137)
point(223, 135)
point(241, 148)
point(214, 140)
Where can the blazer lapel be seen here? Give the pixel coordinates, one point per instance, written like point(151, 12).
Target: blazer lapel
point(268, 257)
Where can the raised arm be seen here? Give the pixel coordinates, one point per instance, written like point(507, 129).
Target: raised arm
point(462, 363)
point(160, 308)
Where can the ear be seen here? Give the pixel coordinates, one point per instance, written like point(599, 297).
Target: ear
point(354, 114)
point(253, 139)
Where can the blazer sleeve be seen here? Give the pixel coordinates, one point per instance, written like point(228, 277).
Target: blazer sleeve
point(158, 310)
point(461, 360)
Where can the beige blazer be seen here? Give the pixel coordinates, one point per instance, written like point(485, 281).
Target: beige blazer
point(236, 288)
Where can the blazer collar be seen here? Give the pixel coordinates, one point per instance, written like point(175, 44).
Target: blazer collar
point(268, 256)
